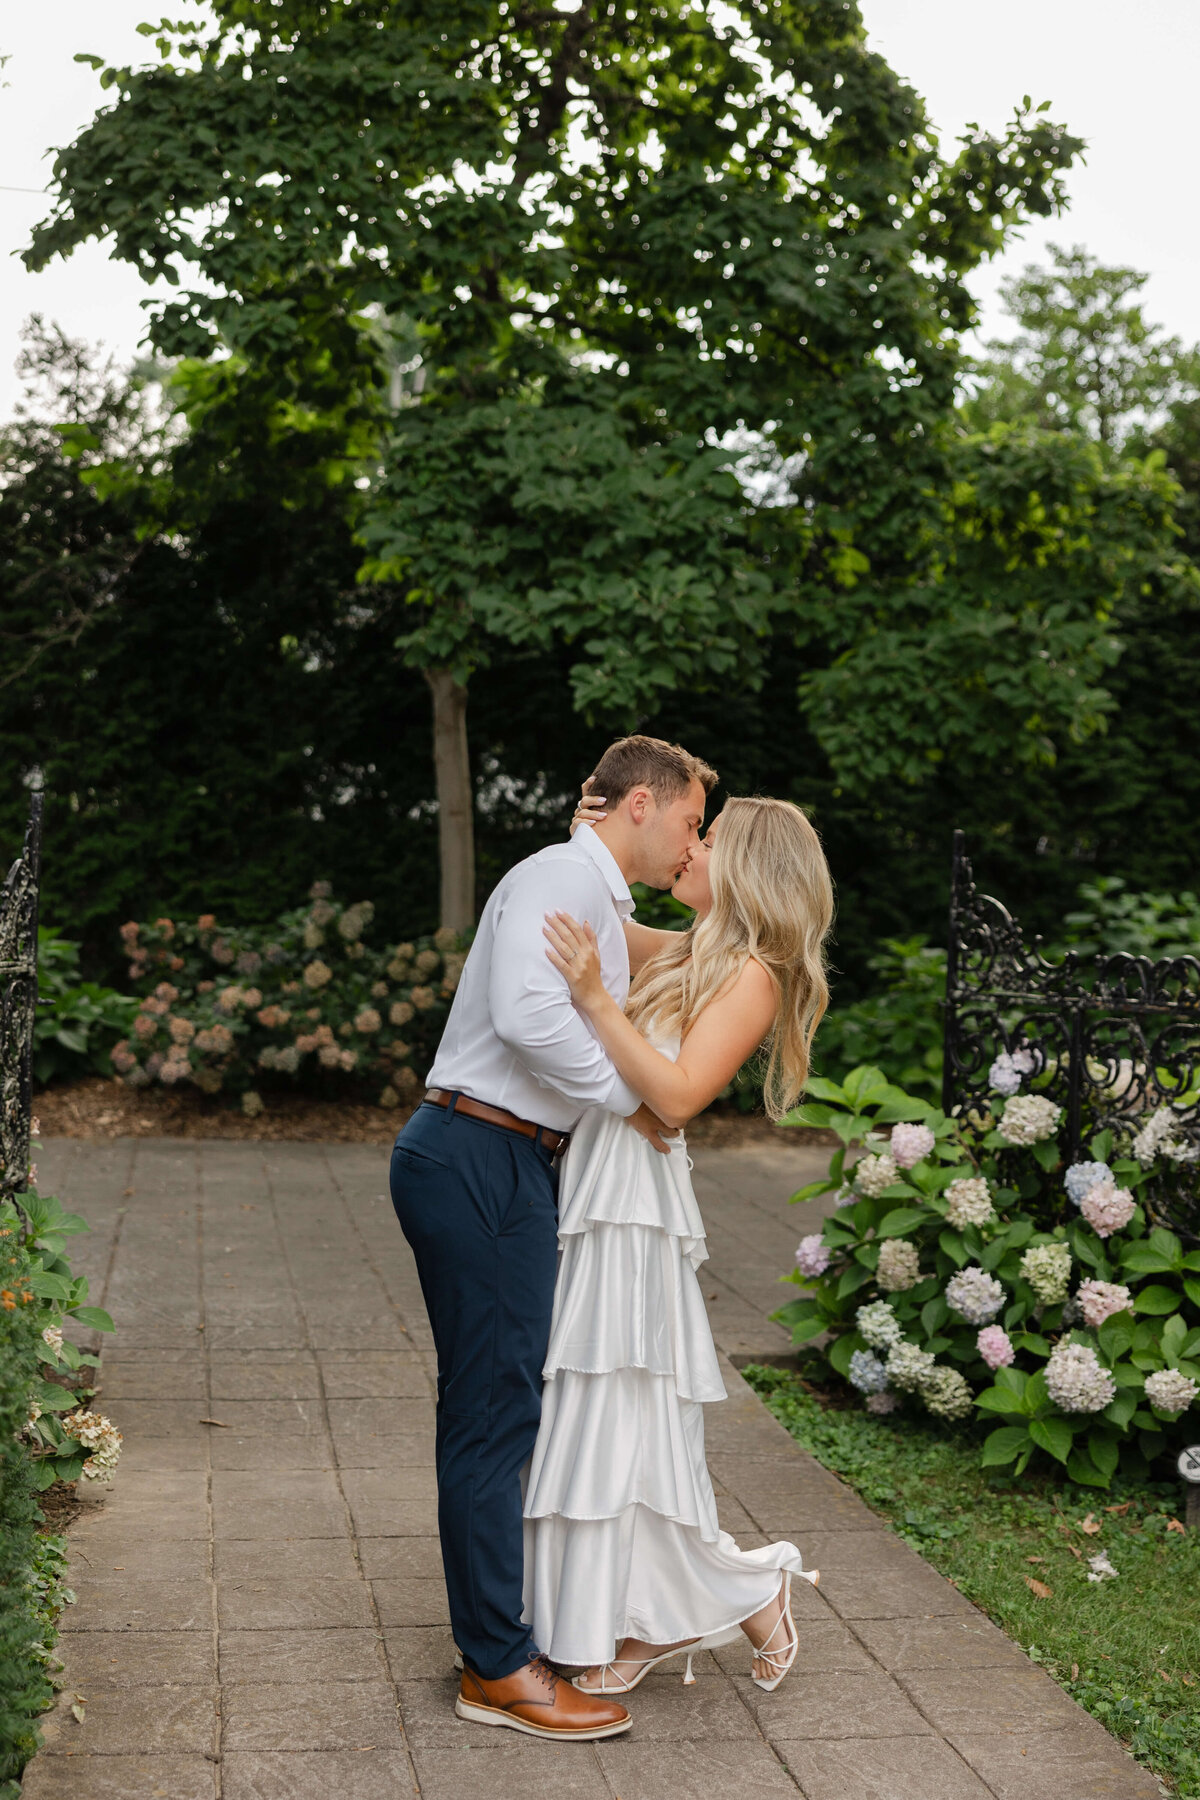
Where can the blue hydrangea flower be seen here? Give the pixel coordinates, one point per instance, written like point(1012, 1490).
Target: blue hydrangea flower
point(867, 1373)
point(1082, 1177)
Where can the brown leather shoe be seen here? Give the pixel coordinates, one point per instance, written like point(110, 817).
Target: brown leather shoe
point(536, 1700)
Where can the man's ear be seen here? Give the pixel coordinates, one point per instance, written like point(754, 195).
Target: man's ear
point(640, 802)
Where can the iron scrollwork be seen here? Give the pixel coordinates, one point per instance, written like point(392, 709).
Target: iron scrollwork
point(1110, 1038)
point(18, 1003)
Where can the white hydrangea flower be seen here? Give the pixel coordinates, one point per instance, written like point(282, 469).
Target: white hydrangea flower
point(1047, 1269)
point(98, 1435)
point(969, 1202)
point(1157, 1138)
point(53, 1337)
point(898, 1265)
point(885, 1402)
point(1003, 1078)
point(1099, 1300)
point(878, 1325)
point(867, 1373)
point(910, 1144)
point(909, 1367)
point(1028, 1119)
point(1170, 1391)
point(1076, 1380)
point(845, 1196)
point(1099, 1567)
point(947, 1394)
point(975, 1295)
point(874, 1174)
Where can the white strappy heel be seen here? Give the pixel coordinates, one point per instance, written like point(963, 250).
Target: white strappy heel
point(613, 1683)
point(782, 1659)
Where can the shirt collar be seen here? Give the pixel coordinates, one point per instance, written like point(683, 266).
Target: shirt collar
point(608, 866)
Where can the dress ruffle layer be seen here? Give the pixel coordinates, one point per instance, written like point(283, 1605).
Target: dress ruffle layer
point(621, 1531)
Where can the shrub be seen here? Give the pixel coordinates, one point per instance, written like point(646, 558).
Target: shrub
point(235, 1008)
point(24, 1688)
point(77, 1022)
point(948, 1283)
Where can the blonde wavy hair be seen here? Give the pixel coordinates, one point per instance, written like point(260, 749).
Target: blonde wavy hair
point(772, 899)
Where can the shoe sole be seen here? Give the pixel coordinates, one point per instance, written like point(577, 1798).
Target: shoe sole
point(494, 1715)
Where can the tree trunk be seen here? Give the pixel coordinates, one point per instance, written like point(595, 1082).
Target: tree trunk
point(456, 808)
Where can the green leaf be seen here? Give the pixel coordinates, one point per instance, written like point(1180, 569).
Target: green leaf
point(816, 1116)
point(1000, 1400)
point(804, 1330)
point(813, 1191)
point(1033, 1342)
point(955, 1249)
point(842, 1349)
point(94, 1316)
point(1053, 1435)
point(934, 1314)
point(1115, 1337)
point(1156, 1299)
point(1082, 1469)
point(1103, 1448)
point(1174, 1336)
point(1191, 1288)
point(851, 1280)
point(1046, 1152)
point(900, 1221)
point(1142, 1259)
point(1001, 1445)
point(49, 1287)
point(1121, 1410)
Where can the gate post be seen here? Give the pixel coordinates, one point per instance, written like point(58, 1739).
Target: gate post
point(18, 1004)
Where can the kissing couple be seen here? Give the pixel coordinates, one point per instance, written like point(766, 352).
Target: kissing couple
point(545, 1192)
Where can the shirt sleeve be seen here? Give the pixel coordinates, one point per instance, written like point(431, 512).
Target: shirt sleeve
point(530, 1003)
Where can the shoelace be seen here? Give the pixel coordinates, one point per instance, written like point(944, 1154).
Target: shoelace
point(543, 1672)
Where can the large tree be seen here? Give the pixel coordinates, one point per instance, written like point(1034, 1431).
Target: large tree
point(594, 238)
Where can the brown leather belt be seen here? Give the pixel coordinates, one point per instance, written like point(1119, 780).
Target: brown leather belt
point(555, 1141)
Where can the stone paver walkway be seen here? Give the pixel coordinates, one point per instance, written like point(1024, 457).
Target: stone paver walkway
point(261, 1613)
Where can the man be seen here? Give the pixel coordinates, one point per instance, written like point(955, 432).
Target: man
point(474, 1184)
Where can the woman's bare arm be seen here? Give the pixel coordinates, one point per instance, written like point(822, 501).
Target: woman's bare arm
point(645, 941)
point(728, 1031)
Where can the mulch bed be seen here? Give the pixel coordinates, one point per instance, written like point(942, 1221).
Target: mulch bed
point(100, 1108)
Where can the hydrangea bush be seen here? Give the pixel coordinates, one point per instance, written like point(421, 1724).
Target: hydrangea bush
point(241, 1009)
point(965, 1271)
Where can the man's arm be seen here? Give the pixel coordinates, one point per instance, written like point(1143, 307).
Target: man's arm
point(531, 1006)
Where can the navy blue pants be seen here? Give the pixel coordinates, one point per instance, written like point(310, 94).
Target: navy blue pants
point(479, 1206)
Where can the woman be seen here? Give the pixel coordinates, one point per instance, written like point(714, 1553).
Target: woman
point(625, 1564)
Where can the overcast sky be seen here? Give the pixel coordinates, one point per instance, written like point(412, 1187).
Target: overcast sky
point(1120, 73)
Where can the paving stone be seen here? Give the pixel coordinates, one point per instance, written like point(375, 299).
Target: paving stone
point(412, 1601)
point(1080, 1763)
point(151, 1454)
point(160, 1418)
point(394, 1377)
point(400, 1558)
point(330, 1654)
point(263, 1378)
point(120, 1778)
point(397, 1418)
point(122, 1378)
point(420, 1653)
point(898, 1768)
point(285, 1559)
point(164, 1720)
point(158, 1559)
point(138, 1658)
point(833, 1706)
point(941, 1643)
point(305, 1604)
point(853, 1550)
point(517, 1765)
point(279, 1452)
point(311, 1715)
point(375, 1450)
point(994, 1701)
point(430, 1722)
point(249, 1504)
point(667, 1712)
point(286, 1417)
point(135, 1605)
point(334, 1775)
point(714, 1770)
point(916, 1592)
point(393, 1518)
point(820, 1646)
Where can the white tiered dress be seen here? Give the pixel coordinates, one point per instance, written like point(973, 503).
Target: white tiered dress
point(621, 1532)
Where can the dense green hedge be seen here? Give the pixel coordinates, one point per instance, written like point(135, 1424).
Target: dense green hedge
point(24, 1688)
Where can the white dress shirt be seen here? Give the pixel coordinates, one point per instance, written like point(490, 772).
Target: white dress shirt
point(514, 1037)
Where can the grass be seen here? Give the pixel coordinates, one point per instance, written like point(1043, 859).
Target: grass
point(1128, 1650)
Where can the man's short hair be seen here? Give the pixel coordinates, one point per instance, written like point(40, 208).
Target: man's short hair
point(666, 769)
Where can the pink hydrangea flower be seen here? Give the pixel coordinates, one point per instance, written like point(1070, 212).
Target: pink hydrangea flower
point(1099, 1300)
point(1108, 1208)
point(910, 1143)
point(995, 1347)
point(812, 1255)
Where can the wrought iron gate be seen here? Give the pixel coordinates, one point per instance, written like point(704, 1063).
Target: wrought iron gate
point(18, 1004)
point(1112, 1038)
